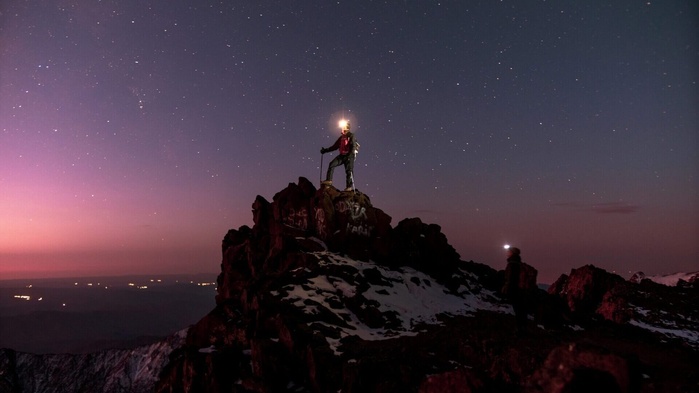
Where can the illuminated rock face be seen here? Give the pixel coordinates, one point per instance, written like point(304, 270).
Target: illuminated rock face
point(584, 288)
point(346, 223)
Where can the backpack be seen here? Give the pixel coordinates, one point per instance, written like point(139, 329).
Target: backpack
point(527, 277)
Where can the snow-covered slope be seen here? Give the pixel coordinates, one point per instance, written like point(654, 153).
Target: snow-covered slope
point(667, 279)
point(403, 298)
point(133, 371)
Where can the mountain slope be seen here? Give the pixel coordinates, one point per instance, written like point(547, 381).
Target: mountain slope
point(668, 279)
point(125, 370)
point(323, 295)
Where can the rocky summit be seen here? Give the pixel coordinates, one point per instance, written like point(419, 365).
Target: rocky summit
point(323, 294)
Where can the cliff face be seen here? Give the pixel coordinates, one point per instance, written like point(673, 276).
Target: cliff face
point(322, 294)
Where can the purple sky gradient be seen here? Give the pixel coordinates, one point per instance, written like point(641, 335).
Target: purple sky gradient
point(134, 134)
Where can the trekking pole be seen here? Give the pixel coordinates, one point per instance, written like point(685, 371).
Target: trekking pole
point(354, 188)
point(320, 175)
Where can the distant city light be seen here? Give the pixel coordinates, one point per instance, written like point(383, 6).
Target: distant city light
point(23, 297)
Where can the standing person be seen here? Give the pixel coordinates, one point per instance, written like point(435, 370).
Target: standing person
point(347, 145)
point(515, 288)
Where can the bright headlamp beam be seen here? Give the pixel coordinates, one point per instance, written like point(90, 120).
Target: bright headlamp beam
point(343, 124)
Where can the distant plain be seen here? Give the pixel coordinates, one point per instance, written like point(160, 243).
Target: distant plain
point(87, 314)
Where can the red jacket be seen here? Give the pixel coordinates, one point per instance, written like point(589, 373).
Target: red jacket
point(345, 143)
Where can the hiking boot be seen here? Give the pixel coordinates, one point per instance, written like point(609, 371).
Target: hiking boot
point(349, 189)
point(326, 183)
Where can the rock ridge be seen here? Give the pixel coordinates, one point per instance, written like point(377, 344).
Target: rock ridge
point(322, 294)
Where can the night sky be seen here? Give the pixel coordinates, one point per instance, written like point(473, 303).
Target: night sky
point(134, 134)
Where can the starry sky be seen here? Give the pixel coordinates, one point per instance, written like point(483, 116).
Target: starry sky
point(134, 134)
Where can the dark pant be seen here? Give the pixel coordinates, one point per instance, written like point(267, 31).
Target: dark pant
point(520, 305)
point(343, 159)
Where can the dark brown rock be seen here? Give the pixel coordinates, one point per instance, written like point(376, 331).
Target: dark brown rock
point(584, 289)
point(615, 306)
point(424, 247)
point(456, 381)
point(572, 369)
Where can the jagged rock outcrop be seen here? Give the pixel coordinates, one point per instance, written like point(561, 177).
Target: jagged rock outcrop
point(593, 292)
point(311, 249)
point(584, 288)
point(323, 295)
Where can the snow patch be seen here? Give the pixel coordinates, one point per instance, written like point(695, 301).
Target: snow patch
point(689, 336)
point(670, 280)
point(413, 297)
point(209, 349)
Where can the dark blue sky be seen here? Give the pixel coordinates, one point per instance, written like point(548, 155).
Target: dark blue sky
point(134, 134)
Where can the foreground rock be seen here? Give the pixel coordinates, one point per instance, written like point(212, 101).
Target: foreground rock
point(592, 293)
